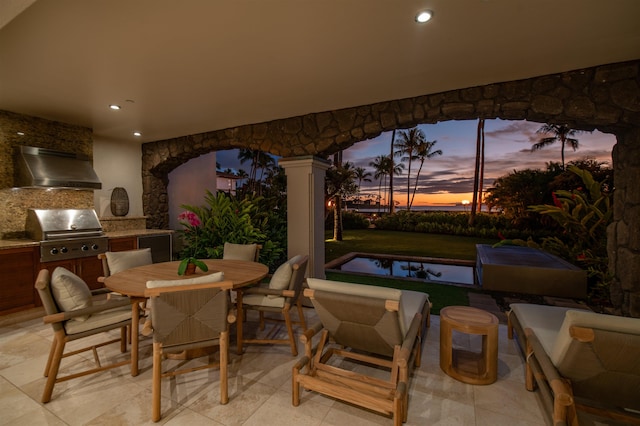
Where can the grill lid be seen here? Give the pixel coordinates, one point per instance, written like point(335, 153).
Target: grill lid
point(48, 224)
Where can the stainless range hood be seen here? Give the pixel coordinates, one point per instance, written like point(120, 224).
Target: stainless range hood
point(40, 167)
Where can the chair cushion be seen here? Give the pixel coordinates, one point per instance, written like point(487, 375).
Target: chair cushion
point(210, 278)
point(263, 300)
point(411, 303)
point(99, 319)
point(121, 260)
point(239, 251)
point(70, 292)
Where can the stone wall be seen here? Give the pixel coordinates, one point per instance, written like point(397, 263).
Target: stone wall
point(606, 98)
point(16, 130)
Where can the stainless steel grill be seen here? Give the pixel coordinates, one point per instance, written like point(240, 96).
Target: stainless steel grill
point(66, 233)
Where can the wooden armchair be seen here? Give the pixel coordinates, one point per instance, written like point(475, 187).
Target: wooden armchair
point(380, 326)
point(70, 310)
point(581, 361)
point(279, 297)
point(189, 314)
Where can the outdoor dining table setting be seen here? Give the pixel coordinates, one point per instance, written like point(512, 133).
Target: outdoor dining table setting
point(133, 283)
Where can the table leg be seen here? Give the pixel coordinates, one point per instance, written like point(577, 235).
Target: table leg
point(135, 330)
point(239, 321)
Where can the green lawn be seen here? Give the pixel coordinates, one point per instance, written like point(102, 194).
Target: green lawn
point(406, 243)
point(403, 243)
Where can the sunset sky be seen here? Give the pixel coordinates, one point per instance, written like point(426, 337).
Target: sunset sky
point(448, 179)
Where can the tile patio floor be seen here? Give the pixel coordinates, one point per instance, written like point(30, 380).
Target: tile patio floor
point(259, 389)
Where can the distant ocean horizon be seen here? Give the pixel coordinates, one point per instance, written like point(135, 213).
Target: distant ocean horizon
point(428, 208)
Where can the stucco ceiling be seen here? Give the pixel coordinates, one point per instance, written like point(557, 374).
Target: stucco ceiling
point(186, 67)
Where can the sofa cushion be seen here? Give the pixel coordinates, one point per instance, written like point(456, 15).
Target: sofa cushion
point(545, 321)
point(591, 320)
point(121, 260)
point(210, 278)
point(70, 292)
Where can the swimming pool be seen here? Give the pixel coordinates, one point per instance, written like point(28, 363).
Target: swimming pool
point(427, 269)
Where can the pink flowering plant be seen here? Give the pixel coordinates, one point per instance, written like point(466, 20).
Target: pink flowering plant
point(191, 223)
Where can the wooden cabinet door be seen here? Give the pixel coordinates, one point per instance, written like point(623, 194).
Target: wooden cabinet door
point(89, 269)
point(69, 264)
point(122, 244)
point(17, 279)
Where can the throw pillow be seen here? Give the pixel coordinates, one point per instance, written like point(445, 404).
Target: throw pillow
point(281, 277)
point(70, 292)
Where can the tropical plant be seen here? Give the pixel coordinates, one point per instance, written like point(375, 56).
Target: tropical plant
point(584, 214)
point(226, 218)
point(513, 193)
point(191, 223)
point(557, 132)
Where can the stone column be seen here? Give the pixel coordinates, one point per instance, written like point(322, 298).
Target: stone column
point(623, 239)
point(305, 209)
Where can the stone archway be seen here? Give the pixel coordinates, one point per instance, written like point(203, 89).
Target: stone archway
point(606, 98)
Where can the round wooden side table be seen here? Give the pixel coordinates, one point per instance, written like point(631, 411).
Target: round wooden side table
point(475, 368)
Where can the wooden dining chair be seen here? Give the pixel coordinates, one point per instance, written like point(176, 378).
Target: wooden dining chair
point(279, 296)
point(117, 261)
point(70, 309)
point(189, 314)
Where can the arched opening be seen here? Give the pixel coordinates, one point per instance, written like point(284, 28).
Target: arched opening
point(605, 97)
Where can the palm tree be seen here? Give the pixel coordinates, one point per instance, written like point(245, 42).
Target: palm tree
point(340, 182)
point(478, 172)
point(361, 175)
point(381, 169)
point(405, 146)
point(559, 132)
point(424, 151)
point(392, 207)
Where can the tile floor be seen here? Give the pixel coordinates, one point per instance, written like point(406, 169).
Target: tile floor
point(259, 389)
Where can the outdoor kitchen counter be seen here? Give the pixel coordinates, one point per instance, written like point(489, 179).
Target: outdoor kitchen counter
point(18, 243)
point(138, 233)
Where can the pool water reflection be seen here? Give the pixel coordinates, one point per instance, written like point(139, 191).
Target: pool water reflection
point(415, 268)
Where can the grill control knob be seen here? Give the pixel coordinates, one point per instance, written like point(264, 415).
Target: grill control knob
point(64, 250)
point(84, 247)
point(54, 251)
point(94, 247)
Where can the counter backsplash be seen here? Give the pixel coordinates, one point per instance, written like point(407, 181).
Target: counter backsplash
point(14, 203)
point(114, 224)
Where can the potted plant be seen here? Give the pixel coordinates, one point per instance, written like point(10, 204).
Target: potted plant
point(188, 265)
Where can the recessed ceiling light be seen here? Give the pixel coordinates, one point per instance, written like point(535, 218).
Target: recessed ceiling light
point(114, 106)
point(424, 16)
point(137, 134)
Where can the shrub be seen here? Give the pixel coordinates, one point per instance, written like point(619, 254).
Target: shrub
point(350, 220)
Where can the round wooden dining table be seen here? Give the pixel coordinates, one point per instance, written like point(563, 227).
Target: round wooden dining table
point(133, 283)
